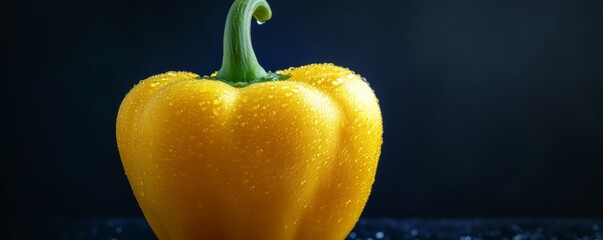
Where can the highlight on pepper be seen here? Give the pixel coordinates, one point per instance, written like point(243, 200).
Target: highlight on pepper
point(250, 154)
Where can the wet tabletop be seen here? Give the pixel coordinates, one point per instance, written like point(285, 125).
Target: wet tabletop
point(366, 229)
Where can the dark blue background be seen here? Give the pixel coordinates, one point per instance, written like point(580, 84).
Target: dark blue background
point(491, 108)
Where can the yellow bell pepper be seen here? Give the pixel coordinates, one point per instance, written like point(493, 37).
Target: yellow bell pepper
point(249, 154)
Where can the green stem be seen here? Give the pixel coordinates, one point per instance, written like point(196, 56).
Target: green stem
point(239, 64)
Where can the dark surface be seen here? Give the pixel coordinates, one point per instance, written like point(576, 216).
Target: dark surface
point(461, 229)
point(491, 108)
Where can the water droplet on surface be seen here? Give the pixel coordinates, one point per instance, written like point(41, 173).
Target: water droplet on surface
point(260, 22)
point(217, 111)
point(339, 81)
point(217, 101)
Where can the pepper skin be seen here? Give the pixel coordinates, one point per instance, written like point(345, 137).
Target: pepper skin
point(273, 159)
